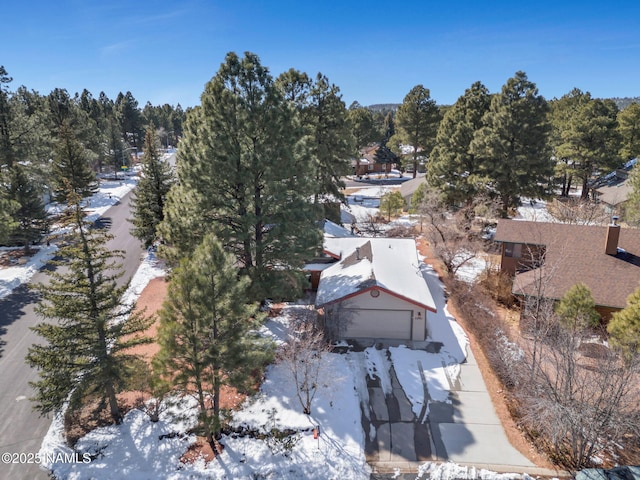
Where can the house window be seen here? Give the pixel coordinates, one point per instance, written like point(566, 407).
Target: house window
point(375, 293)
point(513, 250)
point(370, 166)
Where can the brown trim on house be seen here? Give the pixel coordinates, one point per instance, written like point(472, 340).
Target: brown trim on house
point(331, 254)
point(377, 287)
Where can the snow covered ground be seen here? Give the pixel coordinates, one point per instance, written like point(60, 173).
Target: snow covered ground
point(141, 449)
point(534, 211)
point(109, 193)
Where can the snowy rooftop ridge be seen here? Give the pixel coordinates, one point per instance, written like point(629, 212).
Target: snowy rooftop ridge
point(332, 229)
point(390, 264)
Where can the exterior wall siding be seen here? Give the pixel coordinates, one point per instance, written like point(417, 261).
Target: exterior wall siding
point(386, 302)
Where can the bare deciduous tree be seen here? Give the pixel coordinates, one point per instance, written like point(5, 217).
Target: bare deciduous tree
point(373, 225)
point(581, 405)
point(577, 211)
point(575, 395)
point(302, 355)
point(449, 233)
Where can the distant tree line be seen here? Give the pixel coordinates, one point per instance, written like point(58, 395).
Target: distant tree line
point(43, 136)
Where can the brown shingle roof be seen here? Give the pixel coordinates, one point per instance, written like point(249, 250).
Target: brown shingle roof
point(575, 253)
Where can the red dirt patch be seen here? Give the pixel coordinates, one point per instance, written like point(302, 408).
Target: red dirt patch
point(11, 258)
point(201, 449)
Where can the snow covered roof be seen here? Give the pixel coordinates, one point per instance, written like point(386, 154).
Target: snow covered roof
point(332, 229)
point(346, 218)
point(390, 264)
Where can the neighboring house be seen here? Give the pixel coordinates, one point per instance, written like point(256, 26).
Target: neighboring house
point(408, 188)
point(367, 164)
point(614, 196)
point(547, 259)
point(315, 267)
point(613, 189)
point(375, 289)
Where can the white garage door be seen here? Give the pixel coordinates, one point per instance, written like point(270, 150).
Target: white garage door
point(363, 323)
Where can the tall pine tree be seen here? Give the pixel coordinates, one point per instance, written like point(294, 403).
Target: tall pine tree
point(88, 332)
point(590, 138)
point(242, 173)
point(29, 214)
point(332, 142)
point(7, 223)
point(629, 126)
point(207, 332)
point(363, 127)
point(514, 143)
point(6, 150)
point(452, 167)
point(151, 193)
point(71, 169)
point(416, 123)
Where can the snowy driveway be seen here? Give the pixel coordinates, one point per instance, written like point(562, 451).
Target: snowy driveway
point(404, 429)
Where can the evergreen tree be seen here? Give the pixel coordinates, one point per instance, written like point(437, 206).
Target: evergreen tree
point(363, 127)
point(207, 332)
point(30, 137)
point(7, 223)
point(417, 122)
point(391, 203)
point(388, 127)
point(70, 167)
point(629, 125)
point(624, 327)
point(6, 150)
point(241, 173)
point(23, 129)
point(130, 119)
point(385, 155)
point(562, 112)
point(29, 214)
point(150, 195)
point(115, 144)
point(514, 142)
point(632, 205)
point(577, 309)
point(591, 139)
point(295, 87)
point(332, 143)
point(452, 167)
point(85, 354)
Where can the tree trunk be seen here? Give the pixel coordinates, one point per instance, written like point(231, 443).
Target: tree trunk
point(113, 404)
point(585, 188)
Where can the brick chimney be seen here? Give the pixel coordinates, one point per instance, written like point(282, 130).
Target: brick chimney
point(613, 235)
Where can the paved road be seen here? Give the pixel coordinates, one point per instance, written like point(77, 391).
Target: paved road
point(21, 429)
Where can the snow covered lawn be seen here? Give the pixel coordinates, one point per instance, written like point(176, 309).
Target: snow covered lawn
point(135, 450)
point(141, 449)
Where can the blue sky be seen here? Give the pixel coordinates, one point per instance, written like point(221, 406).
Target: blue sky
point(164, 52)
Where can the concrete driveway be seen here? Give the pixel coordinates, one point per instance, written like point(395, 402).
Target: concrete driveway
point(465, 430)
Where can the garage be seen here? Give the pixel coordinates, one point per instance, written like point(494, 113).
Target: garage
point(378, 323)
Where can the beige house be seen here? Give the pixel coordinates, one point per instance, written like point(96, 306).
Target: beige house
point(375, 289)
